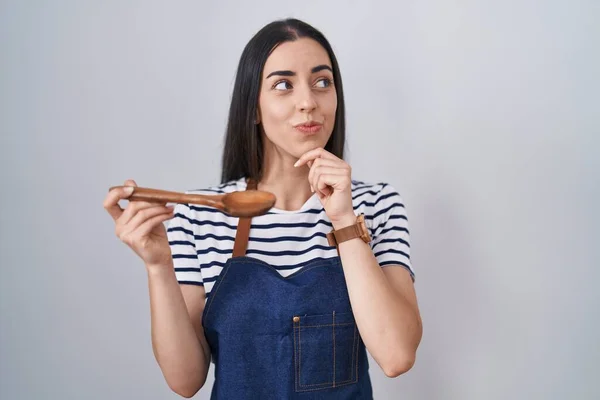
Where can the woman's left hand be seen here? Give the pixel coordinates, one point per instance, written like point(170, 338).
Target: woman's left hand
point(330, 177)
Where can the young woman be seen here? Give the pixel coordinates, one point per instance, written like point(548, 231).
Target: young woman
point(288, 303)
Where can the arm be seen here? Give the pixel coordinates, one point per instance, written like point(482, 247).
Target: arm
point(177, 335)
point(178, 341)
point(384, 304)
point(383, 300)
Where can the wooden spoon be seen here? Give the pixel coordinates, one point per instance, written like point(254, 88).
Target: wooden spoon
point(247, 203)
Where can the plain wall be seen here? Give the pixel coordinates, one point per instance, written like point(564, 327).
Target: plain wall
point(484, 116)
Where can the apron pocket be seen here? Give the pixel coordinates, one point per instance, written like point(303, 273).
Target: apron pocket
point(325, 351)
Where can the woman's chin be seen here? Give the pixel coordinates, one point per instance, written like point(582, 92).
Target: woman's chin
point(308, 145)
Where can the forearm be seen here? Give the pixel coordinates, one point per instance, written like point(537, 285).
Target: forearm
point(389, 324)
point(176, 346)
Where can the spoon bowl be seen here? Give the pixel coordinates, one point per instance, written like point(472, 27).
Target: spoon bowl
point(248, 203)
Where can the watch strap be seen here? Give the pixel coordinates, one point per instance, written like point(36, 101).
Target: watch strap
point(357, 230)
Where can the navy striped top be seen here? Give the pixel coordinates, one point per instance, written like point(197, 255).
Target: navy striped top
point(201, 238)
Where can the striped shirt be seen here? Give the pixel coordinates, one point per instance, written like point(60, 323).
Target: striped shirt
point(201, 238)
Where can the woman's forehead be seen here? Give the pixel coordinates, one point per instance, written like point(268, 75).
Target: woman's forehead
point(298, 56)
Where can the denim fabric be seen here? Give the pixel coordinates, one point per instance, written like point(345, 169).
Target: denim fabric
point(284, 338)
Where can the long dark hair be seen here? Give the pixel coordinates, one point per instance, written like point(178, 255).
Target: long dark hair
point(243, 147)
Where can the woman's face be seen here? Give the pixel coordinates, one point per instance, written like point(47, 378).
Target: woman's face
point(297, 88)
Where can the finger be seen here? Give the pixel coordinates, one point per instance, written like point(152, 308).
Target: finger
point(326, 162)
point(131, 182)
point(309, 163)
point(147, 226)
point(111, 201)
point(144, 215)
point(319, 152)
point(318, 171)
point(322, 162)
point(133, 208)
point(329, 182)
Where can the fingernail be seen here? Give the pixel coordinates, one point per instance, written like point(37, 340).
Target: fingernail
point(128, 190)
point(296, 164)
point(311, 189)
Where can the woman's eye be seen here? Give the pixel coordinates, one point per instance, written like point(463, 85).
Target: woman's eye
point(283, 85)
point(323, 83)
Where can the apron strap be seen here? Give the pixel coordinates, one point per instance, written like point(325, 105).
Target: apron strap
point(242, 233)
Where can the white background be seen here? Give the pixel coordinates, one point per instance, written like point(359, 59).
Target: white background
point(484, 116)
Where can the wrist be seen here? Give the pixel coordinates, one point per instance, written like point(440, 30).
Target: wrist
point(346, 220)
point(160, 269)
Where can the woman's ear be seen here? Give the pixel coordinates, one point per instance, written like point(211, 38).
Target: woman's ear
point(257, 117)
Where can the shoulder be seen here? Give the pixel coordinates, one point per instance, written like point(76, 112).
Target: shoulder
point(373, 194)
point(378, 201)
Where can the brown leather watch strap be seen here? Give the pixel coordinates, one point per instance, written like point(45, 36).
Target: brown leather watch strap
point(357, 230)
point(242, 234)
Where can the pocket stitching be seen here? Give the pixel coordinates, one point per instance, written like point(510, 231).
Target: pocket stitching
point(320, 326)
point(356, 360)
point(353, 362)
point(333, 334)
point(298, 353)
point(296, 358)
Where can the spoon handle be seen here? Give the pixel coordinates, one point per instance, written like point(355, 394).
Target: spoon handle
point(165, 196)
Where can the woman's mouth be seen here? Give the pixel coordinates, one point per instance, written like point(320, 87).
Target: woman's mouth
point(310, 127)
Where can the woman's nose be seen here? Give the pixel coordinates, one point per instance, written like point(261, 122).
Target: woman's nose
point(306, 101)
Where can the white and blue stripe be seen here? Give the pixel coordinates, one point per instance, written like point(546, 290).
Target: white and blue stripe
point(201, 238)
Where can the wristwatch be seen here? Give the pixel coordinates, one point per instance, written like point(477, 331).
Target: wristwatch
point(357, 230)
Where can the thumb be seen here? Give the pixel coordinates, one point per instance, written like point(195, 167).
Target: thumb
point(130, 182)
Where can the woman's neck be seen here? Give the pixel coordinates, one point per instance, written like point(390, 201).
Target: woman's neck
point(288, 183)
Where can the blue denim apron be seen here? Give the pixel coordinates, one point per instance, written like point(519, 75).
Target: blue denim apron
point(283, 338)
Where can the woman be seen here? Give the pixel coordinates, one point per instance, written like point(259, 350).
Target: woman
point(286, 304)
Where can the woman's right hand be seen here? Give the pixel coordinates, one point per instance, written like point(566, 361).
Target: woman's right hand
point(140, 225)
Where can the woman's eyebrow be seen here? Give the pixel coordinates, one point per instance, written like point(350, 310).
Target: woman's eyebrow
point(281, 73)
point(321, 68)
point(292, 73)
